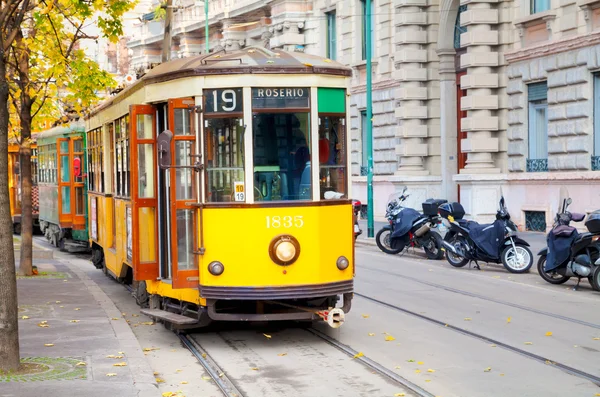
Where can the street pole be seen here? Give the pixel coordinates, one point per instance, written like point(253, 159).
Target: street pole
point(368, 50)
point(166, 50)
point(206, 25)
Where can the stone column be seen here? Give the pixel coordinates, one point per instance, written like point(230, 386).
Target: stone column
point(234, 37)
point(410, 39)
point(481, 83)
point(448, 125)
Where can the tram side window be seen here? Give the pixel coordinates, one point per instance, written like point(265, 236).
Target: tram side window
point(123, 175)
point(224, 158)
point(95, 161)
point(282, 158)
point(332, 155)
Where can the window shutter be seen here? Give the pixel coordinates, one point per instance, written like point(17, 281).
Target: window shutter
point(537, 91)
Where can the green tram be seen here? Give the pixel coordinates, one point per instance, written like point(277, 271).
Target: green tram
point(62, 186)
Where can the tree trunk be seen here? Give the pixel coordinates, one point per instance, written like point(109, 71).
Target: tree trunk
point(26, 260)
point(9, 328)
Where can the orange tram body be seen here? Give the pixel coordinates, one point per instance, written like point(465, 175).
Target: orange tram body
point(204, 190)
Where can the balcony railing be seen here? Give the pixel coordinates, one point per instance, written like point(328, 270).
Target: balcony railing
point(595, 163)
point(537, 165)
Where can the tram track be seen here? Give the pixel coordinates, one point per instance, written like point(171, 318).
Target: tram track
point(544, 360)
point(485, 298)
point(223, 382)
point(373, 365)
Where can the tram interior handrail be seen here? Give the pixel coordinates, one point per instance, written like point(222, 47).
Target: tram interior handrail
point(205, 61)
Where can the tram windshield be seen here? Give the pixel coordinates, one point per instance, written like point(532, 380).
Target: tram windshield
point(282, 161)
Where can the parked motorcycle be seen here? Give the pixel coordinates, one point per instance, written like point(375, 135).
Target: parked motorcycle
point(570, 254)
point(356, 206)
point(469, 241)
point(407, 227)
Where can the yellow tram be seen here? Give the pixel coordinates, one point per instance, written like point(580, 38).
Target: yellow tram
point(204, 193)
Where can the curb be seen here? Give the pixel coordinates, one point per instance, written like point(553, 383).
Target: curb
point(141, 372)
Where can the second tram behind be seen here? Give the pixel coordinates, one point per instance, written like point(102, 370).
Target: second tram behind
point(219, 185)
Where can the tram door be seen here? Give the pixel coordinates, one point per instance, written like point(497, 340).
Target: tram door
point(144, 219)
point(182, 193)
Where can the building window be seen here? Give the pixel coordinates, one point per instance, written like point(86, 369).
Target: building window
point(539, 6)
point(458, 30)
point(538, 128)
point(331, 50)
point(363, 5)
point(535, 221)
point(596, 153)
point(364, 164)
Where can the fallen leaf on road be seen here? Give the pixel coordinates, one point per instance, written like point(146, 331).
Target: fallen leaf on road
point(111, 374)
point(184, 382)
point(43, 326)
point(169, 394)
point(135, 315)
point(359, 354)
point(148, 323)
point(508, 320)
point(389, 338)
point(267, 336)
point(120, 365)
point(445, 325)
point(159, 380)
point(595, 338)
point(123, 314)
point(365, 316)
point(575, 346)
point(467, 318)
point(371, 334)
point(488, 369)
point(417, 371)
point(111, 356)
point(528, 343)
point(548, 333)
point(114, 318)
point(155, 373)
point(420, 363)
point(501, 374)
point(203, 355)
point(76, 309)
point(81, 364)
point(178, 370)
point(493, 345)
point(431, 370)
point(57, 301)
point(74, 321)
point(254, 369)
point(397, 367)
point(121, 352)
point(48, 344)
point(24, 317)
point(206, 378)
point(496, 276)
point(149, 349)
point(221, 375)
point(399, 394)
point(411, 360)
point(61, 306)
point(427, 380)
point(282, 354)
point(549, 362)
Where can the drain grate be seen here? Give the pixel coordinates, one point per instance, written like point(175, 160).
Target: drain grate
point(535, 221)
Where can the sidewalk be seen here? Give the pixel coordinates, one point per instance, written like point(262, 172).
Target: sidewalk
point(68, 324)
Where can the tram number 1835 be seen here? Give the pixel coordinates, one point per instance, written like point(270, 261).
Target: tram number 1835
point(286, 222)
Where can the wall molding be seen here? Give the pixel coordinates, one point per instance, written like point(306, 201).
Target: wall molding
point(553, 47)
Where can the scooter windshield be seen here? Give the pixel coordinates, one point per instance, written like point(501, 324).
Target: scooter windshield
point(563, 200)
point(396, 198)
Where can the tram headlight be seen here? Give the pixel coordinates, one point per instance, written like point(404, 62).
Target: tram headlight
point(342, 263)
point(284, 250)
point(216, 268)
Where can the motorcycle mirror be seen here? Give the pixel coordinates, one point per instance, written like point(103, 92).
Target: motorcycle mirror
point(569, 201)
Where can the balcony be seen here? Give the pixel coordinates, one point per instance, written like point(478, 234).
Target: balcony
point(537, 165)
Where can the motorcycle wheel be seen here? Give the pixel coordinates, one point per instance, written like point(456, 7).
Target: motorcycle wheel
point(551, 277)
point(519, 261)
point(384, 243)
point(595, 279)
point(433, 246)
point(455, 260)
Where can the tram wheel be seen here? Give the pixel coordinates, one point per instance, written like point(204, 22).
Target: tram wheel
point(142, 297)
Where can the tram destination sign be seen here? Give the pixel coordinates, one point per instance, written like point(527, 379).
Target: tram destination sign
point(280, 98)
point(228, 100)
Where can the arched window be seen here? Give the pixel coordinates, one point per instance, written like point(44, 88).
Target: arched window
point(457, 28)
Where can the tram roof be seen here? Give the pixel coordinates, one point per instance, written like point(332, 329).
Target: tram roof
point(75, 126)
point(250, 60)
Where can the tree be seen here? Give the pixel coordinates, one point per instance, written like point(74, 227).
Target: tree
point(12, 13)
point(39, 51)
point(45, 60)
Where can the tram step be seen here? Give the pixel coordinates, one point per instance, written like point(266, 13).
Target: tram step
point(169, 317)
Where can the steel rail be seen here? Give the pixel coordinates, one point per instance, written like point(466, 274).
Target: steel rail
point(214, 371)
point(485, 298)
point(565, 368)
point(371, 364)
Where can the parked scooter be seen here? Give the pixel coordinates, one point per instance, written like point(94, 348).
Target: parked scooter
point(356, 205)
point(570, 254)
point(407, 227)
point(468, 241)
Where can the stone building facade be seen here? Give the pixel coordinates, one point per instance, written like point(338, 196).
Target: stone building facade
point(472, 99)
